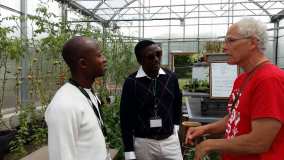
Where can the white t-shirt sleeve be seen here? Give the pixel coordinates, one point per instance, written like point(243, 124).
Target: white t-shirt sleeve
point(63, 127)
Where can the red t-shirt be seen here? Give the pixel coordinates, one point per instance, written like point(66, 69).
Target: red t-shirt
point(262, 97)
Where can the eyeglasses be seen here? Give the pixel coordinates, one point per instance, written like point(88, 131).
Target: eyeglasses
point(230, 40)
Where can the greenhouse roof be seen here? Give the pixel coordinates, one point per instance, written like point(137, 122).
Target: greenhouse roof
point(145, 10)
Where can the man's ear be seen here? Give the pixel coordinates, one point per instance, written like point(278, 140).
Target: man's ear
point(139, 61)
point(254, 42)
point(82, 63)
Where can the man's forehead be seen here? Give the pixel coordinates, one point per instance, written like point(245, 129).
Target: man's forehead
point(233, 31)
point(152, 46)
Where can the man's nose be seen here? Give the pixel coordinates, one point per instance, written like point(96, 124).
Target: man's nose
point(225, 48)
point(157, 59)
point(104, 59)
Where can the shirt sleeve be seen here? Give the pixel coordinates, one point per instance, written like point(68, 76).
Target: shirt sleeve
point(127, 114)
point(177, 103)
point(63, 125)
point(267, 100)
point(129, 155)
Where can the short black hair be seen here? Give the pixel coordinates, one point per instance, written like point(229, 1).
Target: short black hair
point(140, 46)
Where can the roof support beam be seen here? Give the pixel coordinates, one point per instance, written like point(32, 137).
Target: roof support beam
point(277, 17)
point(83, 10)
point(123, 7)
point(98, 6)
point(261, 7)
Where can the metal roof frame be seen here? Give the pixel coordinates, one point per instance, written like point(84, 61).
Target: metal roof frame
point(82, 9)
point(117, 11)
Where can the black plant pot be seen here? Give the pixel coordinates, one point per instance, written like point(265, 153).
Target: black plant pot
point(5, 137)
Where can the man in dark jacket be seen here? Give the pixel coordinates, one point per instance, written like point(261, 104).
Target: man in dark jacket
point(151, 108)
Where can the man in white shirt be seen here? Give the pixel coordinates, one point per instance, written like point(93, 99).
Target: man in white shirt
point(73, 118)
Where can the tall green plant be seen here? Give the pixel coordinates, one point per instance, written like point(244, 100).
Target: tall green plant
point(47, 71)
point(11, 49)
point(111, 120)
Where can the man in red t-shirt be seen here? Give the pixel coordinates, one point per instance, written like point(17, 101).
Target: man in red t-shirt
point(254, 125)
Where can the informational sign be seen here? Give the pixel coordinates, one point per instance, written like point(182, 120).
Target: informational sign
point(222, 76)
point(200, 72)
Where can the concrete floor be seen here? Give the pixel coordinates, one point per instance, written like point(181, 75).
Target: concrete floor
point(42, 154)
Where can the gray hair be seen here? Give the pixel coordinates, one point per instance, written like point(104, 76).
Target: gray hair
point(250, 27)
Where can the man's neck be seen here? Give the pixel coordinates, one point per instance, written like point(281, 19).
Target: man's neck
point(151, 74)
point(253, 62)
point(83, 82)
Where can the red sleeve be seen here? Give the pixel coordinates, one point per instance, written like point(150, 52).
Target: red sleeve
point(268, 99)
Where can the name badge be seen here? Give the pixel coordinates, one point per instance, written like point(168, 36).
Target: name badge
point(155, 123)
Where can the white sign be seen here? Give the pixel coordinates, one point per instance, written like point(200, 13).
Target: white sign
point(200, 73)
point(222, 77)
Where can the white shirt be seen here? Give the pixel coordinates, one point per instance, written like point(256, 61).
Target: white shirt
point(141, 73)
point(74, 132)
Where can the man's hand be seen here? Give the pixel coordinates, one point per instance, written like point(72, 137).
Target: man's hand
point(194, 132)
point(202, 149)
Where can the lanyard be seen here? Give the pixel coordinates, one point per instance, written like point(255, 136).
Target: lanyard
point(92, 104)
point(245, 82)
point(154, 92)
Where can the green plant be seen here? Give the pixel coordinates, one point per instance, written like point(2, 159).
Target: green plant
point(31, 130)
point(197, 86)
point(22, 136)
point(111, 121)
point(190, 152)
point(10, 49)
point(45, 71)
point(214, 46)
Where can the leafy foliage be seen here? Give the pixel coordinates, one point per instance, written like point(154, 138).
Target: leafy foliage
point(197, 86)
point(111, 120)
point(214, 47)
point(183, 64)
point(46, 71)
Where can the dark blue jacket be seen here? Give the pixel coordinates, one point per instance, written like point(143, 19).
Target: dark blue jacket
point(137, 107)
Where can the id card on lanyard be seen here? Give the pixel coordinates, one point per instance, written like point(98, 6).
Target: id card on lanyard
point(155, 121)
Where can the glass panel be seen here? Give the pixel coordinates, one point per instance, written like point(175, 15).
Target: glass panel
point(10, 23)
point(130, 31)
point(116, 3)
point(184, 46)
point(9, 100)
point(104, 15)
point(156, 32)
point(9, 86)
point(89, 4)
point(269, 47)
point(73, 16)
point(177, 32)
point(191, 31)
point(14, 4)
point(212, 31)
point(280, 58)
point(53, 7)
